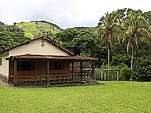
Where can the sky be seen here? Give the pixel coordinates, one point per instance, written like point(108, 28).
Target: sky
point(64, 13)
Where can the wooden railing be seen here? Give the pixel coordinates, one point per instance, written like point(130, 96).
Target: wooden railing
point(54, 79)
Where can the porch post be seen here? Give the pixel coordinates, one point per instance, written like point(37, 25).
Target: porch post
point(93, 67)
point(47, 74)
point(72, 69)
point(15, 72)
point(81, 69)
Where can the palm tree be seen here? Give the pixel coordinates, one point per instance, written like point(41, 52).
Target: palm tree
point(134, 28)
point(108, 30)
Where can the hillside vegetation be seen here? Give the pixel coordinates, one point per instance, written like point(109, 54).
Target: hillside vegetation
point(88, 29)
point(35, 29)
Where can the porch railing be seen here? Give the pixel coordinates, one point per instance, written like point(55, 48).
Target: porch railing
point(54, 79)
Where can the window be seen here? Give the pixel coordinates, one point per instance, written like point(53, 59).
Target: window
point(25, 65)
point(56, 65)
point(0, 61)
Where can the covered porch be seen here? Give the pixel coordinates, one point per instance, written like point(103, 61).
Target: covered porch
point(48, 69)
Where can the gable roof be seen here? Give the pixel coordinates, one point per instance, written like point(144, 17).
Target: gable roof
point(45, 38)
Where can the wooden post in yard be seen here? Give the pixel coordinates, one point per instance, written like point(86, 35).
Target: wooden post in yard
point(117, 76)
point(101, 77)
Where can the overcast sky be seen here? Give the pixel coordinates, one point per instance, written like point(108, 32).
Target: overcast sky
point(65, 13)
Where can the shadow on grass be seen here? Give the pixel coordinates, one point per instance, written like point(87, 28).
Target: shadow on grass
point(62, 85)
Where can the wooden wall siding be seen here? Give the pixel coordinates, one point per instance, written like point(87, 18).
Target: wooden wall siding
point(61, 71)
point(41, 69)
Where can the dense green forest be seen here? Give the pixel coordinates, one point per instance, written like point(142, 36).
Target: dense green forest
point(120, 41)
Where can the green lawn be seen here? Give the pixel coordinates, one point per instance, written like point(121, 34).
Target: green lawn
point(112, 97)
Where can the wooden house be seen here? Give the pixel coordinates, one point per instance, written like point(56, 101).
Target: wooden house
point(42, 61)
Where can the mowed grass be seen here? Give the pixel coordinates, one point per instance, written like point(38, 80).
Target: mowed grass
point(112, 97)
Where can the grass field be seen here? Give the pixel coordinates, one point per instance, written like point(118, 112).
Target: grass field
point(112, 97)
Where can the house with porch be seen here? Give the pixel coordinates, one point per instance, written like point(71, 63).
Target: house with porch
point(43, 61)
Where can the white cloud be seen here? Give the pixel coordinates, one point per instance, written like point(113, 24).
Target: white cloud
point(65, 13)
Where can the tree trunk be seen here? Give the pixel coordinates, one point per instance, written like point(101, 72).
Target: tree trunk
point(132, 60)
point(108, 60)
point(108, 63)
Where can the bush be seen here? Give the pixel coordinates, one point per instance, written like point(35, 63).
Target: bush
point(125, 72)
point(98, 74)
point(142, 69)
point(144, 77)
point(121, 59)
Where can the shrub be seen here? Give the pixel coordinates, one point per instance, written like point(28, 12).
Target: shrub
point(125, 72)
point(98, 74)
point(121, 59)
point(142, 69)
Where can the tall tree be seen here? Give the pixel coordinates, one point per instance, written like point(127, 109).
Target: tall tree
point(108, 30)
point(87, 43)
point(67, 35)
point(134, 27)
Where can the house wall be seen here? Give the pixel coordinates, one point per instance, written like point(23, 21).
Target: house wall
point(4, 68)
point(38, 47)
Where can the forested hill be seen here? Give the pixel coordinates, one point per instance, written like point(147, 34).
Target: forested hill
point(11, 35)
point(36, 28)
point(88, 29)
point(17, 33)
